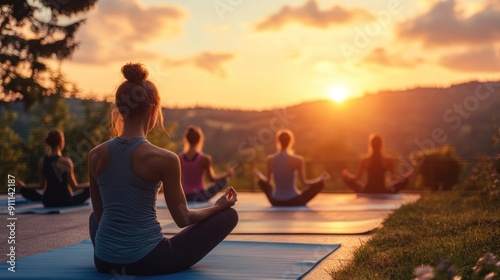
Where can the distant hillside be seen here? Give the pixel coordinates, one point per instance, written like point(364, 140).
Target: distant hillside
point(461, 115)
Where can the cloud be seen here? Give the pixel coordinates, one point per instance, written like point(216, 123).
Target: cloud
point(380, 56)
point(144, 23)
point(445, 24)
point(99, 51)
point(210, 62)
point(486, 59)
point(117, 29)
point(310, 15)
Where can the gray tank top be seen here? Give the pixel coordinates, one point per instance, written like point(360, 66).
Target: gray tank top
point(128, 229)
point(284, 178)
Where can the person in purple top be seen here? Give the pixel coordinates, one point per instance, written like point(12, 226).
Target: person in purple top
point(282, 168)
point(126, 173)
point(196, 165)
point(376, 165)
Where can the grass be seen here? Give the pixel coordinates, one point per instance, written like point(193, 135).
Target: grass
point(440, 226)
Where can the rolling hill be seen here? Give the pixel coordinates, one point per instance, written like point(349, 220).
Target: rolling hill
point(334, 135)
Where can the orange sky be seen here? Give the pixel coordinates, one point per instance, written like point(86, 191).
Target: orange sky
point(256, 54)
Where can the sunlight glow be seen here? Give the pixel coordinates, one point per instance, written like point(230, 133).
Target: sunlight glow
point(338, 93)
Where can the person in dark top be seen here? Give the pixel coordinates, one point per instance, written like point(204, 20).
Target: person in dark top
point(376, 165)
point(195, 165)
point(283, 167)
point(56, 177)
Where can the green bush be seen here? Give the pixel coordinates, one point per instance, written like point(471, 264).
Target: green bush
point(485, 178)
point(438, 169)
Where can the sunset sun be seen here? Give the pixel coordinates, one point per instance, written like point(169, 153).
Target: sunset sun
point(338, 93)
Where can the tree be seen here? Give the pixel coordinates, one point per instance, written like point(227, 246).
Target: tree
point(12, 157)
point(31, 33)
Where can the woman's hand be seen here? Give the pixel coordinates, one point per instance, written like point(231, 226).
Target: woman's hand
point(230, 172)
point(228, 199)
point(325, 176)
point(256, 172)
point(19, 183)
point(347, 174)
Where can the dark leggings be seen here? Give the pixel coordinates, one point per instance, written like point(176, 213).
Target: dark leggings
point(77, 199)
point(299, 200)
point(393, 188)
point(177, 253)
point(207, 194)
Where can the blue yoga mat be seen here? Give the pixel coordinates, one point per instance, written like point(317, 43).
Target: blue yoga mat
point(230, 260)
point(38, 208)
point(18, 200)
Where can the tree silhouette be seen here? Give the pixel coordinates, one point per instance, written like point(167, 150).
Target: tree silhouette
point(32, 33)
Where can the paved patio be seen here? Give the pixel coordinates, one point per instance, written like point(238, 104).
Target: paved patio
point(40, 233)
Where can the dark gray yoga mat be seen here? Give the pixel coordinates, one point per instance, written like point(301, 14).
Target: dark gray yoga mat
point(231, 260)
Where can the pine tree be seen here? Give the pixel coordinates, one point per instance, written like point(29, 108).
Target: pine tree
point(32, 33)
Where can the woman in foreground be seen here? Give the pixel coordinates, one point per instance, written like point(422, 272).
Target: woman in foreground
point(125, 175)
point(282, 168)
point(195, 165)
point(376, 165)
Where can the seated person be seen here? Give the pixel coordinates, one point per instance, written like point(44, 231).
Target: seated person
point(56, 177)
point(282, 168)
point(125, 175)
point(376, 165)
point(195, 165)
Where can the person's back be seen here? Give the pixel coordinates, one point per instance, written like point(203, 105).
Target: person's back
point(125, 174)
point(57, 191)
point(376, 175)
point(192, 173)
point(195, 165)
point(282, 168)
point(376, 165)
point(128, 229)
point(284, 178)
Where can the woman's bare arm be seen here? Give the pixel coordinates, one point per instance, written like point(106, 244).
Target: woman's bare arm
point(96, 161)
point(69, 168)
point(176, 200)
point(301, 168)
point(208, 166)
point(95, 197)
point(256, 172)
point(360, 172)
point(270, 170)
point(391, 168)
point(259, 174)
point(41, 177)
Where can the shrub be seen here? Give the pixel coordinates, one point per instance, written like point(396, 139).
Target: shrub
point(485, 178)
point(438, 169)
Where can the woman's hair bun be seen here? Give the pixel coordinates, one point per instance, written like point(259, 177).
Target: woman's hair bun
point(135, 72)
